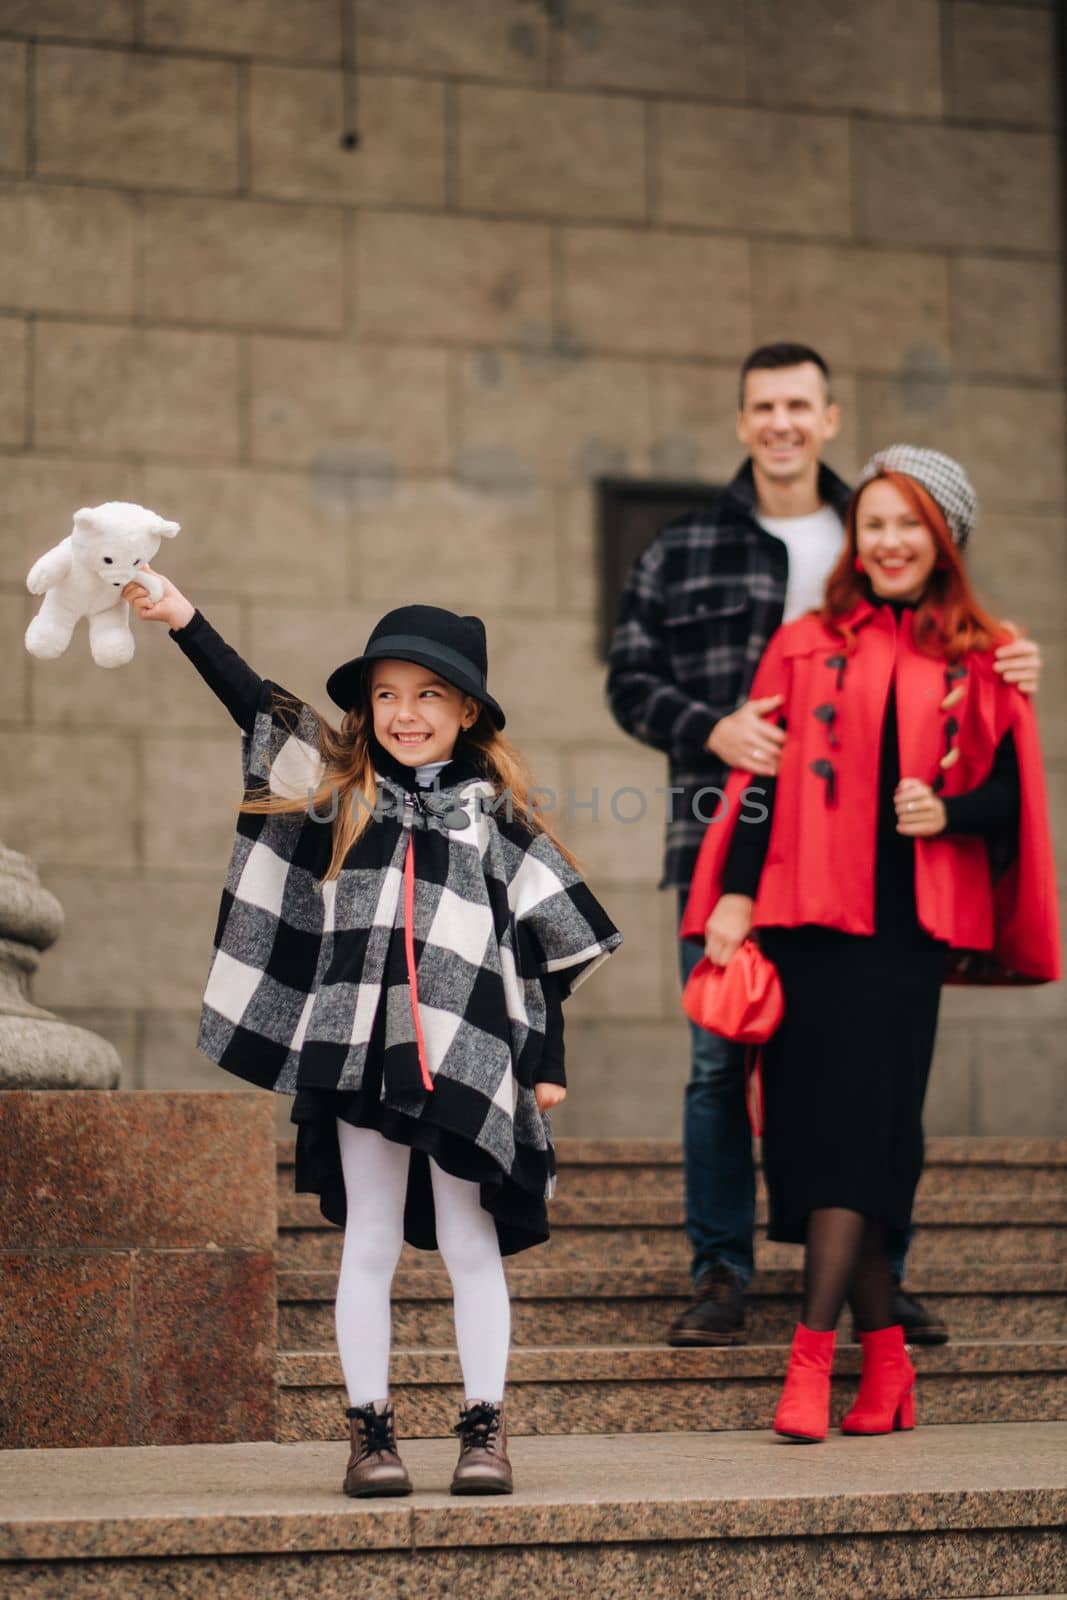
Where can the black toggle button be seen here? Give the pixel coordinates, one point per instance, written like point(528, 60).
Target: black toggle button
point(827, 714)
point(825, 769)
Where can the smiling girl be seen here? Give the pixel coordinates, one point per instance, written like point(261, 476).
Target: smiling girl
point(904, 842)
point(397, 934)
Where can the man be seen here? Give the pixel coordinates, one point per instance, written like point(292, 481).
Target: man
point(699, 607)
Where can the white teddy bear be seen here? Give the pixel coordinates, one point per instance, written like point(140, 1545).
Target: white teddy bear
point(106, 549)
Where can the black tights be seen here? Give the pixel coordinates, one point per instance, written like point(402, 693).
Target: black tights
point(846, 1256)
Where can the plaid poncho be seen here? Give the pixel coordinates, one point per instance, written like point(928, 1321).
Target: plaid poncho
point(301, 968)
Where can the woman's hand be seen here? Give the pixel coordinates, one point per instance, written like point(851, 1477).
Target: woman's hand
point(920, 814)
point(727, 928)
point(548, 1095)
point(1019, 662)
point(173, 609)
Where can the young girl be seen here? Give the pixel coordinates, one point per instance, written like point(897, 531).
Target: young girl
point(396, 936)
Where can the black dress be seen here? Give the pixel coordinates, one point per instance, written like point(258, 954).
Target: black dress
point(520, 1215)
point(845, 1076)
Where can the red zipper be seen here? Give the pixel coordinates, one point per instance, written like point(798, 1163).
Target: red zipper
point(409, 957)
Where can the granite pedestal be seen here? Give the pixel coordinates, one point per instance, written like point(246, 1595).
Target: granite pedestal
point(137, 1280)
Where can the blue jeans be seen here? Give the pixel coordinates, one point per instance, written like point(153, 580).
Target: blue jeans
point(720, 1175)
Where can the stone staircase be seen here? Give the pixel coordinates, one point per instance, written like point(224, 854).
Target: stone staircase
point(641, 1471)
point(592, 1306)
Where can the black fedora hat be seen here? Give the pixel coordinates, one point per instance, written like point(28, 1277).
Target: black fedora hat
point(451, 646)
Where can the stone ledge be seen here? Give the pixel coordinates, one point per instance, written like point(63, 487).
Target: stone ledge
point(560, 1307)
point(300, 1212)
point(267, 1499)
point(635, 1389)
point(836, 1567)
point(941, 1150)
point(651, 1363)
point(535, 1283)
point(935, 1248)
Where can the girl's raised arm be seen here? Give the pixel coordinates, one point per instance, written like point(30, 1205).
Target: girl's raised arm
point(220, 666)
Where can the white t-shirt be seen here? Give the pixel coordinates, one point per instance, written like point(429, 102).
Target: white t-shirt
point(814, 544)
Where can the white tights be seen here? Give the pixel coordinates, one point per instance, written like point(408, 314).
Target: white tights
point(376, 1180)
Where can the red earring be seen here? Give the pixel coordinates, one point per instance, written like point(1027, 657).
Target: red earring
point(857, 565)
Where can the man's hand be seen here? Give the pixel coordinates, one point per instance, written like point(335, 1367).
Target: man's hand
point(173, 609)
point(747, 740)
point(1019, 662)
point(920, 814)
point(727, 928)
point(548, 1095)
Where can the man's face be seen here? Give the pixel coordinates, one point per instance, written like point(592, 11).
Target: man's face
point(786, 420)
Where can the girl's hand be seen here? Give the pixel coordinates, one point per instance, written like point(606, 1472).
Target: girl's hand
point(548, 1095)
point(173, 609)
point(727, 928)
point(920, 814)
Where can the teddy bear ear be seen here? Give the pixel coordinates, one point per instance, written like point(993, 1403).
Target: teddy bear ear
point(167, 530)
point(85, 518)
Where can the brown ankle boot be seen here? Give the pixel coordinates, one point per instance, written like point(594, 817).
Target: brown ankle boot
point(483, 1466)
point(374, 1468)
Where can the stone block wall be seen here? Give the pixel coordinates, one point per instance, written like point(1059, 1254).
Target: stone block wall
point(360, 377)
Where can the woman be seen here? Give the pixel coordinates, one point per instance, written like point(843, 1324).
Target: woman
point(905, 840)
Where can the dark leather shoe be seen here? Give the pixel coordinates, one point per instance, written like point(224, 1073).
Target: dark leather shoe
point(483, 1466)
point(920, 1325)
point(374, 1468)
point(717, 1313)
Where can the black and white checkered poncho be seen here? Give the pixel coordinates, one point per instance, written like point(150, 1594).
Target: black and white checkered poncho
point(301, 967)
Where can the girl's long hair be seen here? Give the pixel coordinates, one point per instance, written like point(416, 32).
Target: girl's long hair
point(349, 789)
point(950, 620)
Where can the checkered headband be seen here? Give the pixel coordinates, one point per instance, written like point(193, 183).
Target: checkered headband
point(942, 478)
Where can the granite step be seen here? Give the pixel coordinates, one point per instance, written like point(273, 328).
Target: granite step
point(652, 1168)
point(946, 1511)
point(968, 1230)
point(620, 1306)
point(620, 1389)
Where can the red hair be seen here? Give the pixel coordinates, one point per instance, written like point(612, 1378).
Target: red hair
point(950, 620)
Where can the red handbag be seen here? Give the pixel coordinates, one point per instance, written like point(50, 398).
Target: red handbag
point(742, 1001)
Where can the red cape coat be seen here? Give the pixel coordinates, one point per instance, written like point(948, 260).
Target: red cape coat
point(820, 861)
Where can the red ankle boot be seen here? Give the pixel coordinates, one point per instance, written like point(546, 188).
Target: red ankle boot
point(886, 1399)
point(804, 1409)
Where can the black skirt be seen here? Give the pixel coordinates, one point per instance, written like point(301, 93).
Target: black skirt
point(845, 1076)
point(520, 1215)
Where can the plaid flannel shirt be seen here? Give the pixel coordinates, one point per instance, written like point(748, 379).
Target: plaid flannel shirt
point(699, 608)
